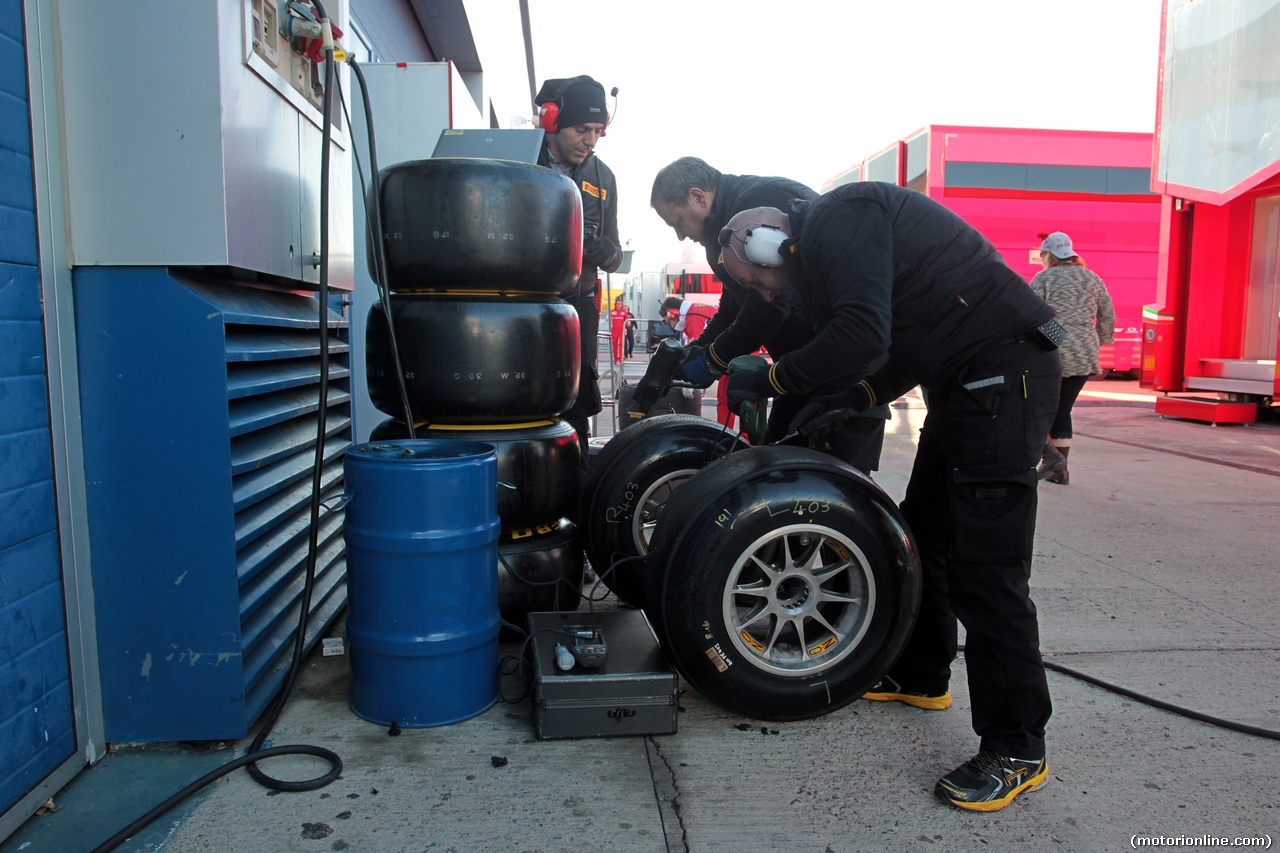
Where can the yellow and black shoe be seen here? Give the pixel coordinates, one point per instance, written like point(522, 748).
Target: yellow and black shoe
point(989, 782)
point(888, 690)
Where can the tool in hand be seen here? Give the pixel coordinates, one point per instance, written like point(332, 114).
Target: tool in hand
point(657, 379)
point(754, 414)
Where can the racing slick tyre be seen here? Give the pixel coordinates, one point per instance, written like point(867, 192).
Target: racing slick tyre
point(787, 583)
point(539, 468)
point(539, 570)
point(628, 486)
point(480, 360)
point(476, 226)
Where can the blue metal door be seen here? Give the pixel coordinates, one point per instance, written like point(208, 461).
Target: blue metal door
point(37, 725)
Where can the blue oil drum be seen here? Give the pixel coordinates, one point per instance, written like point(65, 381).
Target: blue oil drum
point(422, 542)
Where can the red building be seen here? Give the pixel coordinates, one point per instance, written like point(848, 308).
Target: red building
point(1213, 325)
point(1015, 184)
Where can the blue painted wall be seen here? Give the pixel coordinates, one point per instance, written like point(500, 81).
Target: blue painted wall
point(37, 730)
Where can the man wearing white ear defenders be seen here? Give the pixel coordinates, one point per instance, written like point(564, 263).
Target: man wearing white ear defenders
point(572, 112)
point(883, 269)
point(696, 200)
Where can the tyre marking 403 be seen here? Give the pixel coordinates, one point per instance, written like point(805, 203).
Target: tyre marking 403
point(811, 507)
point(614, 514)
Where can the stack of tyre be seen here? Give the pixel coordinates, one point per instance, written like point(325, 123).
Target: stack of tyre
point(477, 253)
point(781, 582)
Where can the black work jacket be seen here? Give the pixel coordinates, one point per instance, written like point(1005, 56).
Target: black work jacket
point(744, 321)
point(599, 189)
point(884, 269)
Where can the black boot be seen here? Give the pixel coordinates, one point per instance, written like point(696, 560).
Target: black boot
point(1051, 461)
point(1061, 477)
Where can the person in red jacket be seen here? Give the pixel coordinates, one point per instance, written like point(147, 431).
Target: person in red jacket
point(618, 317)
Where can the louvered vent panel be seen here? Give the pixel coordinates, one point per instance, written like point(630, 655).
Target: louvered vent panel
point(273, 385)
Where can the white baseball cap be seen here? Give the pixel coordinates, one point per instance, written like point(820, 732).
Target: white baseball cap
point(1058, 245)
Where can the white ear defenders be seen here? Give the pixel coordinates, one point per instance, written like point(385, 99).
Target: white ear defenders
point(766, 245)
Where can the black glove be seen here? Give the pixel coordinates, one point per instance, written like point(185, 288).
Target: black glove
point(696, 368)
point(598, 251)
point(750, 384)
point(827, 412)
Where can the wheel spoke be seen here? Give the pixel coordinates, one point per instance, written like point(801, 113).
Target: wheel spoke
point(800, 638)
point(753, 614)
point(767, 567)
point(823, 571)
point(757, 588)
point(787, 562)
point(822, 620)
point(839, 597)
point(771, 635)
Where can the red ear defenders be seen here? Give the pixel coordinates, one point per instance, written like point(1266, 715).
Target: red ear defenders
point(549, 113)
point(766, 246)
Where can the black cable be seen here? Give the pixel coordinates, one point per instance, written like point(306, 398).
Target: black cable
point(1243, 728)
point(380, 254)
point(379, 258)
point(317, 469)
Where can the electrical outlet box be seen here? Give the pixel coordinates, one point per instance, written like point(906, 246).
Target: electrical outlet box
point(213, 158)
point(282, 56)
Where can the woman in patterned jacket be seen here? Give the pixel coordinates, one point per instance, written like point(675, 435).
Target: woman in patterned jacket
point(1085, 311)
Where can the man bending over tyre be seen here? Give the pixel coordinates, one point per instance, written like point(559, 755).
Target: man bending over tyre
point(885, 270)
point(696, 200)
point(572, 112)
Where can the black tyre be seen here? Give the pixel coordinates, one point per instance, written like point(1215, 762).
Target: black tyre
point(677, 401)
point(539, 464)
point(461, 225)
point(628, 486)
point(539, 570)
point(470, 361)
point(787, 582)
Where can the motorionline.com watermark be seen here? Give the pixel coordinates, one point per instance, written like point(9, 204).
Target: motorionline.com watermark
point(1263, 841)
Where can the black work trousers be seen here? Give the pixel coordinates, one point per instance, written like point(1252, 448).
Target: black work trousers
point(971, 503)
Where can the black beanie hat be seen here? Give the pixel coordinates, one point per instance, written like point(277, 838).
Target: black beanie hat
point(580, 99)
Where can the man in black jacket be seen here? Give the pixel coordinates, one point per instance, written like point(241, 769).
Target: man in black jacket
point(573, 114)
point(888, 270)
point(696, 200)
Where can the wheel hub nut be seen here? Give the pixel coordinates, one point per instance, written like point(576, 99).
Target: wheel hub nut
point(793, 593)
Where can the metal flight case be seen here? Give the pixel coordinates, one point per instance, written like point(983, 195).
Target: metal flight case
point(632, 693)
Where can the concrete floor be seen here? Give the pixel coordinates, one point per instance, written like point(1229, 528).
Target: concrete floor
point(1156, 568)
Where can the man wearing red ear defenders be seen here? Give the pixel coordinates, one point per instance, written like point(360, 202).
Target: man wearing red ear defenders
point(573, 114)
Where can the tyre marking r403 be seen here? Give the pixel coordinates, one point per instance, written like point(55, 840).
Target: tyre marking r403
point(614, 514)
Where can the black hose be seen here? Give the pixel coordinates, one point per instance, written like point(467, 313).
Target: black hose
point(317, 469)
point(1164, 706)
point(132, 829)
point(380, 254)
